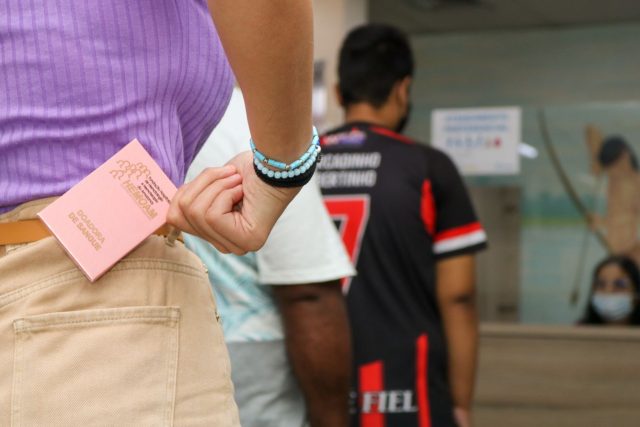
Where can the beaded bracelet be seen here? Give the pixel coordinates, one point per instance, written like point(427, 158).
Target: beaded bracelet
point(315, 144)
point(296, 181)
point(295, 174)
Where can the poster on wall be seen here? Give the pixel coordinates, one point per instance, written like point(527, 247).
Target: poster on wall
point(481, 141)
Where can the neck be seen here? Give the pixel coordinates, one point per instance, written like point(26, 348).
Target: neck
point(363, 112)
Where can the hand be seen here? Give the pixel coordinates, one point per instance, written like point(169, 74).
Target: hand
point(462, 417)
point(231, 207)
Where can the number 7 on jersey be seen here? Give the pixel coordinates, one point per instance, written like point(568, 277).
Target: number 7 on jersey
point(351, 214)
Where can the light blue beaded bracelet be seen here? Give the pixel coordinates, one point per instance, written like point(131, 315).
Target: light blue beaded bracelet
point(303, 165)
point(262, 160)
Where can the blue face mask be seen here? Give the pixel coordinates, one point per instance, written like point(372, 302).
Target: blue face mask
point(612, 307)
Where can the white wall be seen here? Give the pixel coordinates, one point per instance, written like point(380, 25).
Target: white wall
point(333, 19)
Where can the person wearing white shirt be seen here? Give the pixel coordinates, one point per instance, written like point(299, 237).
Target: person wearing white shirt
point(282, 307)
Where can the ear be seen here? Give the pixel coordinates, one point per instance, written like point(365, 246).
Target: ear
point(403, 90)
point(336, 88)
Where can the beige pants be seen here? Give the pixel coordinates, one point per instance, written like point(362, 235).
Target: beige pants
point(142, 346)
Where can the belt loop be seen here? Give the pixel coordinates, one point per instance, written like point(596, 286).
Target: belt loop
point(172, 236)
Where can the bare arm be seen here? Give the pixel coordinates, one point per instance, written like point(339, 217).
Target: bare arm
point(456, 299)
point(319, 348)
point(269, 44)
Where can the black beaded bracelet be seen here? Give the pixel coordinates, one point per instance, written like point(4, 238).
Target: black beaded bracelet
point(296, 181)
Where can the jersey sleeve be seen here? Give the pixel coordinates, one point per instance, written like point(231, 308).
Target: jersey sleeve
point(447, 211)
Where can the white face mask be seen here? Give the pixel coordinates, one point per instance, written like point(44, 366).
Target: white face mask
point(612, 307)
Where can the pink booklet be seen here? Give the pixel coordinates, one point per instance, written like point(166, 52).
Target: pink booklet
point(111, 211)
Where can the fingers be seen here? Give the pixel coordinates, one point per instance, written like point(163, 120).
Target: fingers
point(175, 216)
point(202, 181)
point(191, 202)
point(225, 222)
point(196, 210)
point(212, 207)
point(186, 194)
point(243, 227)
point(226, 201)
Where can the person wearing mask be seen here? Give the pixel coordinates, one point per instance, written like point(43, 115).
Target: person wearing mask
point(282, 309)
point(614, 299)
point(409, 225)
point(78, 81)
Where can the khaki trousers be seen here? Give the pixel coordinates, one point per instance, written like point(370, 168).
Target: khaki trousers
point(142, 346)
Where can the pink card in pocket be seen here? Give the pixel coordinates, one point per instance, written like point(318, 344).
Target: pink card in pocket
point(112, 210)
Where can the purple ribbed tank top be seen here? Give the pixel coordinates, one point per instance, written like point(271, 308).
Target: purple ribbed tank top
point(80, 79)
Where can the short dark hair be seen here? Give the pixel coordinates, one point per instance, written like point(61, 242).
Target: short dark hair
point(611, 150)
point(372, 59)
point(591, 316)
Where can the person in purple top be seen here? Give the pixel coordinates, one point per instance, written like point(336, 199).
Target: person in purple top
point(78, 81)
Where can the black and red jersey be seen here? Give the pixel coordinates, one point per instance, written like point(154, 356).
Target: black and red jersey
point(400, 207)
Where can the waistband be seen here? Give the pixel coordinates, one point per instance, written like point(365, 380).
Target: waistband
point(22, 225)
point(26, 211)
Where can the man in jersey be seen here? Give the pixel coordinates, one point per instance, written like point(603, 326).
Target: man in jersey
point(407, 221)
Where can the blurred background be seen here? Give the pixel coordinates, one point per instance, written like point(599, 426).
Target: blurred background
point(523, 94)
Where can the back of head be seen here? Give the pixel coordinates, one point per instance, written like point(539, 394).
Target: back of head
point(372, 59)
point(612, 149)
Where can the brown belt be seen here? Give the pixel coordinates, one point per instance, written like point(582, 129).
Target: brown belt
point(31, 230)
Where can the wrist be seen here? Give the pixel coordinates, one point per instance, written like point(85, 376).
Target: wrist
point(282, 174)
point(283, 194)
point(285, 144)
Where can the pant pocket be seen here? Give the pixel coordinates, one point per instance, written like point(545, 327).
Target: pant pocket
point(102, 367)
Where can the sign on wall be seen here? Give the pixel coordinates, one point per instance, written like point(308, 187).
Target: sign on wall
point(481, 141)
